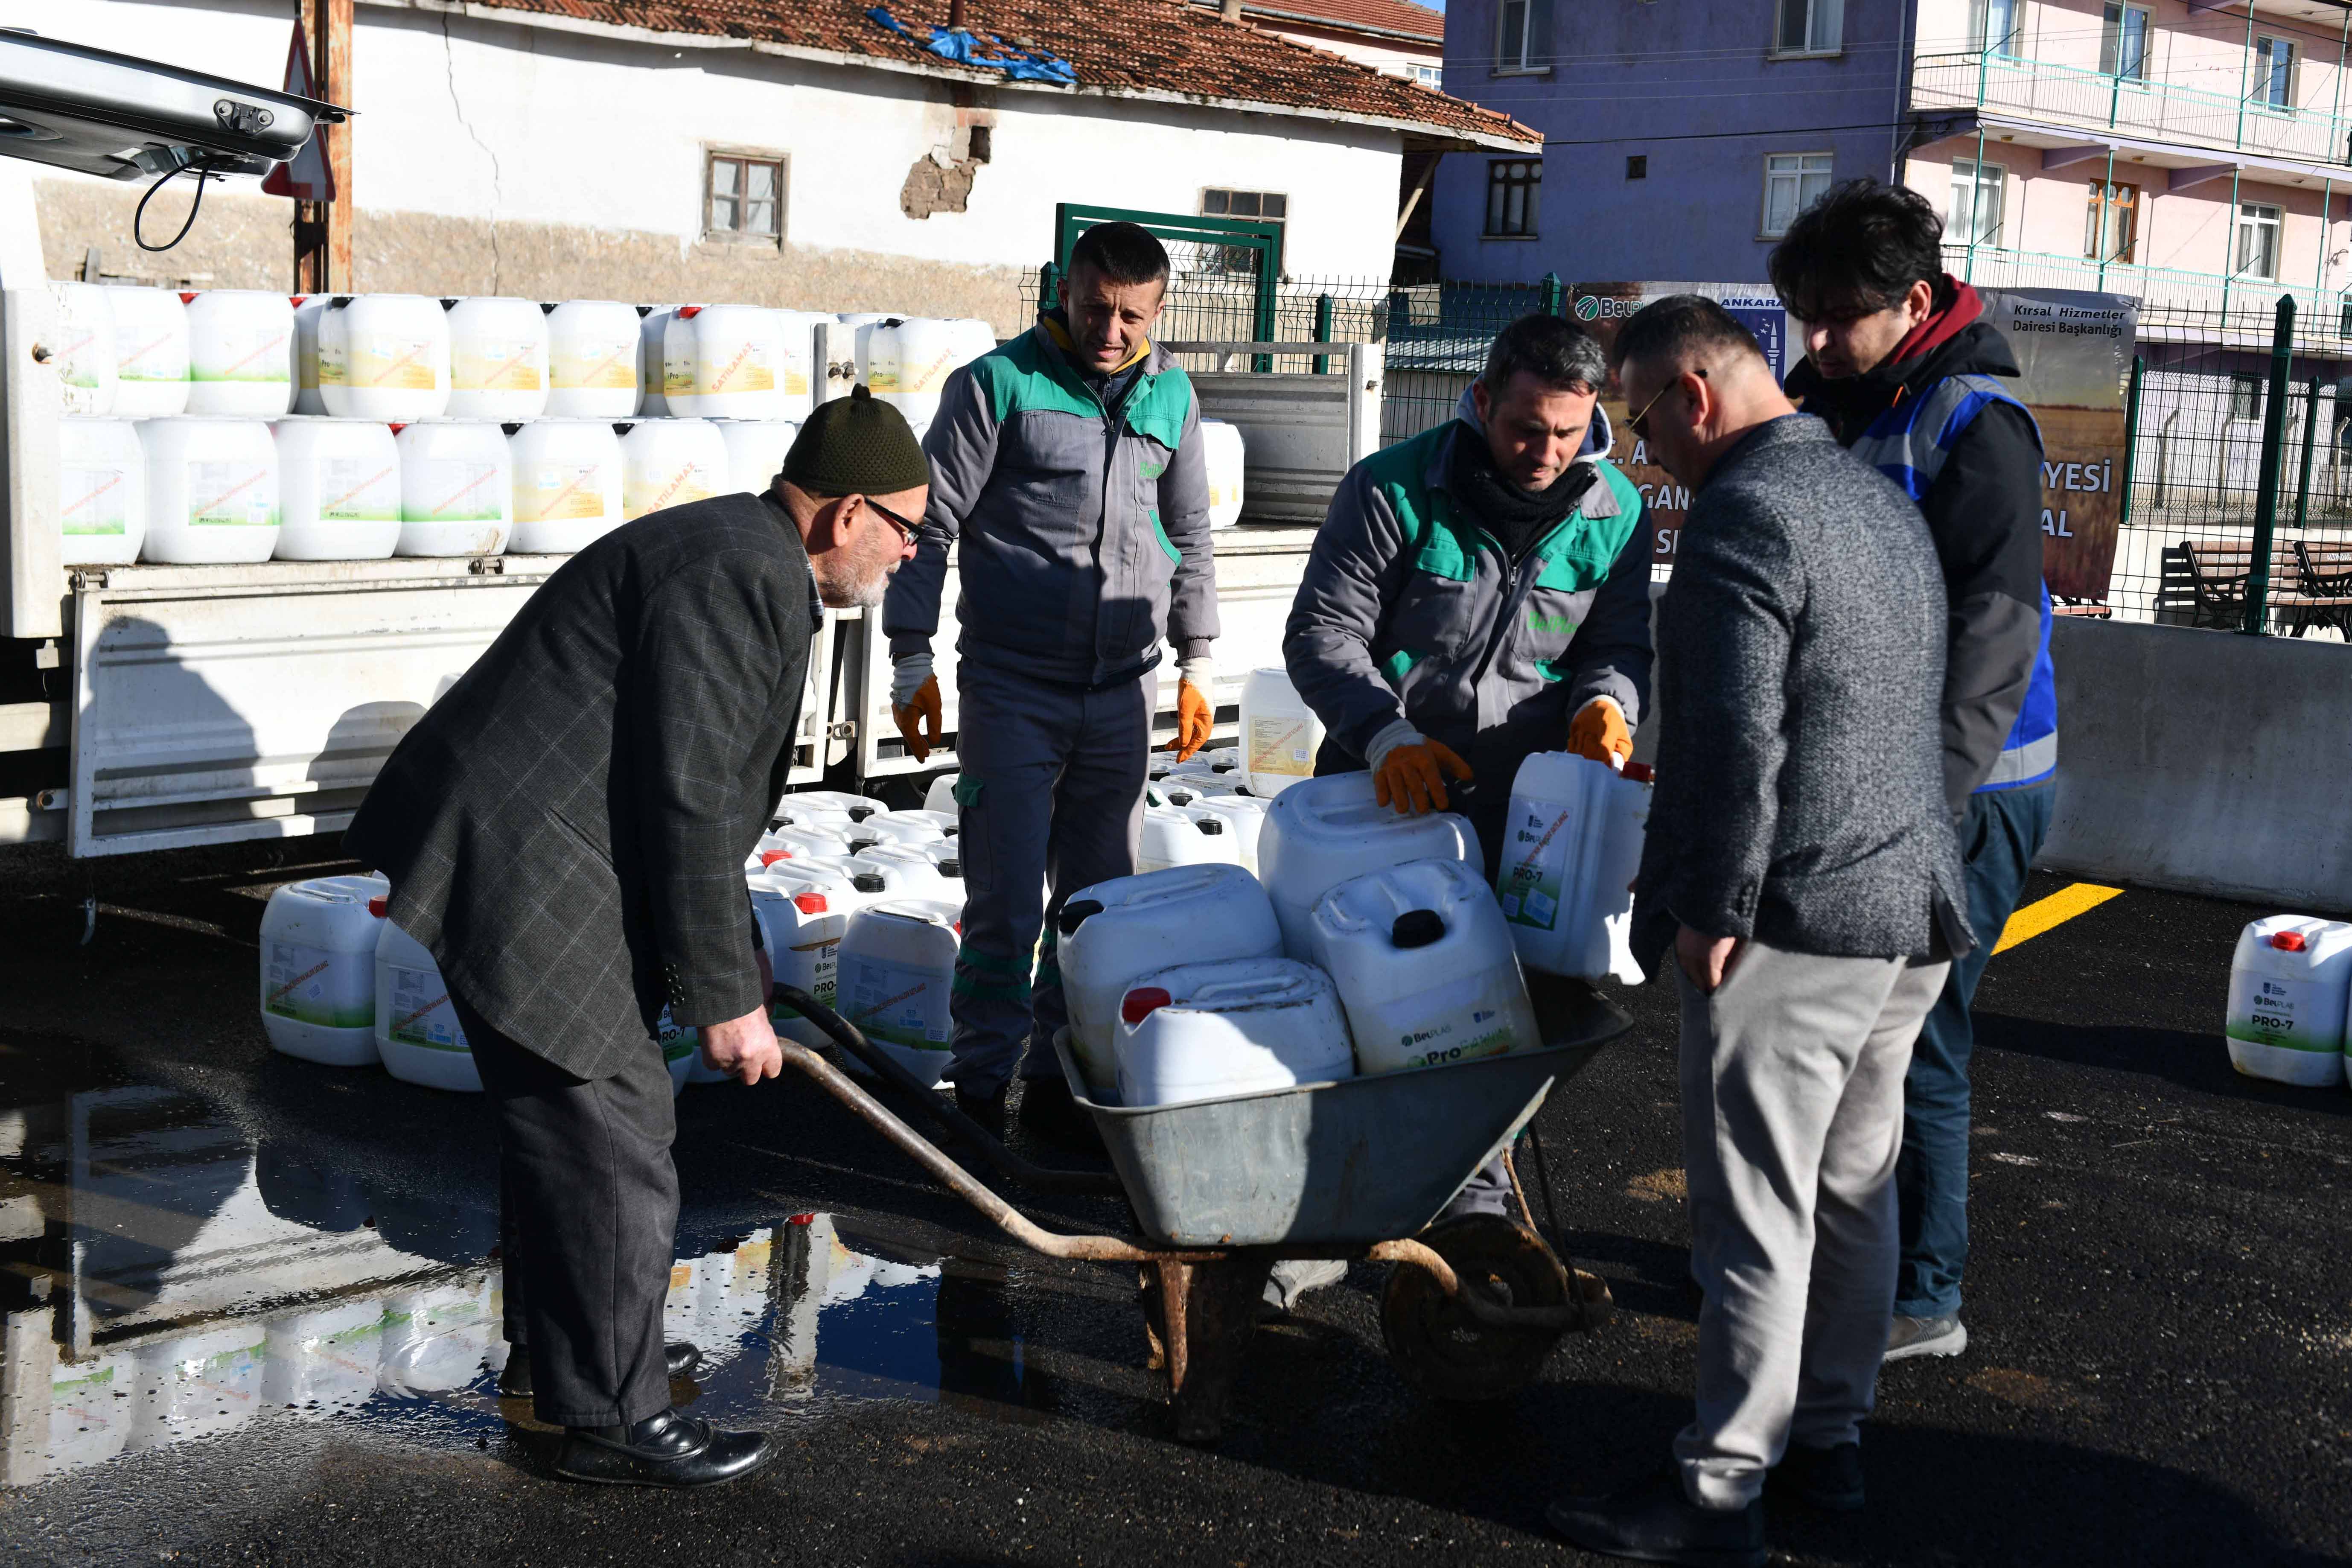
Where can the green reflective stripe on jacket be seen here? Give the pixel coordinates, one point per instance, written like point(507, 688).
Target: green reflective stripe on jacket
point(1029, 375)
point(1160, 533)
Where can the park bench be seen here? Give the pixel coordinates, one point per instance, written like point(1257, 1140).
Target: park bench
point(2311, 584)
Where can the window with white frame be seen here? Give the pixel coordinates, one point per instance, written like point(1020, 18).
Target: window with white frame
point(1995, 24)
point(1523, 35)
point(743, 197)
point(2259, 224)
point(1792, 182)
point(1427, 75)
point(2274, 85)
point(2111, 229)
point(1977, 192)
point(2123, 42)
point(1513, 196)
point(1810, 27)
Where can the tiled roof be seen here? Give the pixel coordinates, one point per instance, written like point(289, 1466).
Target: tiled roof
point(1156, 48)
point(1372, 15)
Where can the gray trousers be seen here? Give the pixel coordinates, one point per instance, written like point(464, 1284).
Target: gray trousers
point(1793, 1116)
point(588, 1188)
point(1052, 788)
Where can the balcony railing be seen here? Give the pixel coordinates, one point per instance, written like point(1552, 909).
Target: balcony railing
point(2169, 287)
point(2154, 111)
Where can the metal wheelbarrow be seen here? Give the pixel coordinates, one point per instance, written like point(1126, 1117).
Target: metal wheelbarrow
point(1353, 1169)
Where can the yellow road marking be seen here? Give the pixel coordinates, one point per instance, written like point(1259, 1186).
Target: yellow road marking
point(2054, 911)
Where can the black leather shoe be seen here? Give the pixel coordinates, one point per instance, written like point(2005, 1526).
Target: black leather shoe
point(1655, 1521)
point(668, 1449)
point(678, 1360)
point(1049, 1112)
point(1825, 1479)
point(988, 1110)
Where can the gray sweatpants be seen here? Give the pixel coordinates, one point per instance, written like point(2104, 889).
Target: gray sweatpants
point(1793, 1116)
point(1052, 787)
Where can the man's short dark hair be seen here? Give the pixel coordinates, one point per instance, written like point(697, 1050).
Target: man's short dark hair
point(1857, 250)
point(1681, 327)
point(1553, 349)
point(1123, 253)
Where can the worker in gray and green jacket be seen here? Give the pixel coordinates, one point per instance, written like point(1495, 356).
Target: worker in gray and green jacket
point(1479, 593)
point(1067, 468)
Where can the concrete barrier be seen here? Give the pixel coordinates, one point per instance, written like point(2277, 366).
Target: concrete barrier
point(2205, 763)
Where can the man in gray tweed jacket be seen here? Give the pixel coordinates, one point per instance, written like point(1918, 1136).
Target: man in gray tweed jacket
point(1801, 868)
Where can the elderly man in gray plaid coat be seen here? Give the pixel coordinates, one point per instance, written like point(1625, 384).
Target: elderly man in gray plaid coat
point(566, 832)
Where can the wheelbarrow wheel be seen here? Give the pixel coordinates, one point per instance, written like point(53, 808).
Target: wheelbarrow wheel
point(1444, 1352)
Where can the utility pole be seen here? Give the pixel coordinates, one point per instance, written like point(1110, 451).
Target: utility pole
point(322, 230)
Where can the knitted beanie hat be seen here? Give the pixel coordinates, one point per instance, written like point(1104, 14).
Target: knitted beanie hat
point(855, 446)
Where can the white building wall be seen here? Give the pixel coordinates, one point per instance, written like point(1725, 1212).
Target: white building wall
point(478, 120)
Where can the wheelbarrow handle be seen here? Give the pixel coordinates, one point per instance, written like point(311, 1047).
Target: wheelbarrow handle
point(852, 1041)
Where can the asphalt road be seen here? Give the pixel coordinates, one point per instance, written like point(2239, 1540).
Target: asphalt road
point(2160, 1306)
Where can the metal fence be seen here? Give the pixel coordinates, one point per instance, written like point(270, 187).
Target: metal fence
point(2238, 509)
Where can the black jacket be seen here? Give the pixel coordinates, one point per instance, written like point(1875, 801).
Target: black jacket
point(565, 830)
point(1984, 512)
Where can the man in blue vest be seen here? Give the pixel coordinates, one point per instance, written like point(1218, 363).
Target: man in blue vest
point(1910, 379)
point(1069, 473)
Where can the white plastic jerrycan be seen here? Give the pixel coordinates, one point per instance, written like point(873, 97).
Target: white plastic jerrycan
point(1572, 846)
point(897, 963)
point(1280, 733)
point(803, 928)
point(2289, 982)
point(1112, 933)
point(1172, 837)
point(1244, 817)
point(1237, 1025)
point(1424, 967)
point(1320, 833)
point(681, 1048)
point(317, 969)
point(417, 1028)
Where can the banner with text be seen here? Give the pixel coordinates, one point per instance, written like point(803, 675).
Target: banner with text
point(2073, 347)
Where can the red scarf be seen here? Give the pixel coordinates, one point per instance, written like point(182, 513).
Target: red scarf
point(1942, 324)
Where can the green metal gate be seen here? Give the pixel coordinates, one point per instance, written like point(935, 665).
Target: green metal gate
point(1248, 253)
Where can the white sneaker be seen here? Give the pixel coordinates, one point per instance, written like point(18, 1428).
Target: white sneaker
point(1908, 1337)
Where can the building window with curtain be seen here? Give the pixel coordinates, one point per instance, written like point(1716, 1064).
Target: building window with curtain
point(1514, 192)
point(1523, 36)
point(1978, 190)
point(1810, 27)
point(743, 198)
point(2123, 42)
point(1996, 24)
point(2111, 232)
point(2258, 240)
point(2273, 74)
point(1792, 182)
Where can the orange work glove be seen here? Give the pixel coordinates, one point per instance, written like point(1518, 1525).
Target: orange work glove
point(1599, 731)
point(1194, 718)
point(920, 719)
point(1411, 776)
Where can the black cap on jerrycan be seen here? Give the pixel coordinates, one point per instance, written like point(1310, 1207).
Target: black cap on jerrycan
point(868, 882)
point(1417, 928)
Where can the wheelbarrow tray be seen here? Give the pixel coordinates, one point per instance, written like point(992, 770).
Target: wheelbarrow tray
point(1343, 1163)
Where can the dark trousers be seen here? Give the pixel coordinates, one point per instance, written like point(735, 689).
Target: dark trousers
point(590, 1201)
point(1998, 839)
point(1052, 791)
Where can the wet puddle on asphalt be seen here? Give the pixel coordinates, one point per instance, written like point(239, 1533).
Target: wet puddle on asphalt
point(164, 1279)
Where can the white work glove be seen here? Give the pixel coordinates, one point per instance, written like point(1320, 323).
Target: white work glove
point(1201, 671)
point(907, 673)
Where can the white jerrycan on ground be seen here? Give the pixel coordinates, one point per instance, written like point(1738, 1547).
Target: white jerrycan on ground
point(1424, 967)
point(1572, 846)
point(2289, 982)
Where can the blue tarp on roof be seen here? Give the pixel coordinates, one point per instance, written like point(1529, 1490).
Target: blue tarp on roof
point(964, 47)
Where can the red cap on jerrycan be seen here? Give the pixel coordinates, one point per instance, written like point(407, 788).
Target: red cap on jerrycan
point(2287, 940)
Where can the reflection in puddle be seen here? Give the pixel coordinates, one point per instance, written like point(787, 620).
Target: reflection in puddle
point(162, 1279)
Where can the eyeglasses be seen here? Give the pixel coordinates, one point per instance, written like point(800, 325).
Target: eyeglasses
point(1636, 424)
point(908, 531)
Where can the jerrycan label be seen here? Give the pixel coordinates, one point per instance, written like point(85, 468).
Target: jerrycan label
point(421, 1014)
point(2267, 1011)
point(304, 983)
point(1279, 746)
point(601, 367)
point(1460, 1021)
point(903, 1006)
point(92, 500)
point(496, 366)
point(558, 492)
point(824, 959)
point(678, 1039)
point(1535, 862)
